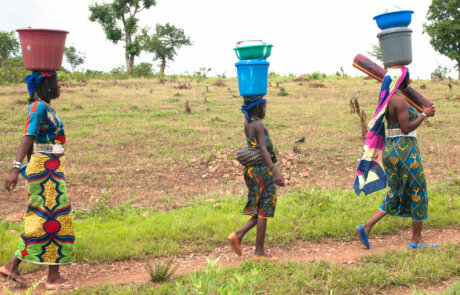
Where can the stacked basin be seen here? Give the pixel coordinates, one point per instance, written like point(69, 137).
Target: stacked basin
point(395, 37)
point(252, 68)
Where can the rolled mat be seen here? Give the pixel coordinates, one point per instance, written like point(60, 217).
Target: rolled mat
point(375, 71)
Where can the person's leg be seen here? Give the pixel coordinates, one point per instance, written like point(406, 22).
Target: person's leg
point(246, 227)
point(379, 214)
point(55, 281)
point(11, 267)
point(10, 270)
point(260, 239)
point(417, 232)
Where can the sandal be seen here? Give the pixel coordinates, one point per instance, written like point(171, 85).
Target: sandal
point(362, 236)
point(63, 286)
point(15, 278)
point(418, 246)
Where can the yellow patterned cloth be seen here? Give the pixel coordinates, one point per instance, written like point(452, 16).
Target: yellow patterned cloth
point(48, 236)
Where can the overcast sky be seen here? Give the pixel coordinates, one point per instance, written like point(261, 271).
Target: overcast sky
point(307, 35)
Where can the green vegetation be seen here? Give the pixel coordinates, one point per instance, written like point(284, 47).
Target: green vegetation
point(161, 271)
point(109, 234)
point(372, 274)
point(443, 27)
point(119, 21)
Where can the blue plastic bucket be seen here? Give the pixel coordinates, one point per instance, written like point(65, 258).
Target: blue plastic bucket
point(252, 76)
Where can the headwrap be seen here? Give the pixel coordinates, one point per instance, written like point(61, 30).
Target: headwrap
point(250, 102)
point(35, 78)
point(371, 176)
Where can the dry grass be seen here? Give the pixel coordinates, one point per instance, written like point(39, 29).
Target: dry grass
point(132, 140)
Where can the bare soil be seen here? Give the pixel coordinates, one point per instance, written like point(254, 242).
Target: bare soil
point(337, 251)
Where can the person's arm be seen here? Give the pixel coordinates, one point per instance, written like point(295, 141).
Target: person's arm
point(24, 148)
point(260, 135)
point(402, 112)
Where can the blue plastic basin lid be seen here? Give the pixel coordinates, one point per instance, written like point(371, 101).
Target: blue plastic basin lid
point(393, 12)
point(252, 62)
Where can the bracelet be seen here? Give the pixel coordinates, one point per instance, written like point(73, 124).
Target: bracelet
point(16, 164)
point(423, 115)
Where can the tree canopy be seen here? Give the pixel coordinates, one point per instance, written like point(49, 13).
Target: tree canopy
point(443, 27)
point(119, 22)
point(164, 43)
point(9, 46)
point(73, 57)
point(376, 52)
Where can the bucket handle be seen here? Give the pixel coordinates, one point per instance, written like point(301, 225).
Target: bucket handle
point(239, 42)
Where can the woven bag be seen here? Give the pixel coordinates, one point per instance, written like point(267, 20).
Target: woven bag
point(249, 156)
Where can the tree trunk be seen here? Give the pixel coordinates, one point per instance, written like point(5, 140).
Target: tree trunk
point(129, 57)
point(458, 67)
point(129, 62)
point(163, 66)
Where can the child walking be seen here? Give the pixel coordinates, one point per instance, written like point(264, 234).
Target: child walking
point(261, 178)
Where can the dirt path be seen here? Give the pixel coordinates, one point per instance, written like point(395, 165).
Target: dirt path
point(347, 253)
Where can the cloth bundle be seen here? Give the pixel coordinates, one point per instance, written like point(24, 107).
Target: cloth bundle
point(371, 176)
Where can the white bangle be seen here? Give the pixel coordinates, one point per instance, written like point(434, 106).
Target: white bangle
point(423, 115)
point(16, 164)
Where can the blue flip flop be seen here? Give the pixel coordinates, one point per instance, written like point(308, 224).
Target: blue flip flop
point(418, 246)
point(362, 236)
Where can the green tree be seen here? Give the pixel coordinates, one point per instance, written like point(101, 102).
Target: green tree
point(376, 52)
point(9, 45)
point(73, 57)
point(443, 27)
point(164, 43)
point(118, 19)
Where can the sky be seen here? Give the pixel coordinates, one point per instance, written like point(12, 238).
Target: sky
point(307, 36)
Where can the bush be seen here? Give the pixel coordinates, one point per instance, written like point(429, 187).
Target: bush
point(316, 75)
point(161, 272)
point(144, 69)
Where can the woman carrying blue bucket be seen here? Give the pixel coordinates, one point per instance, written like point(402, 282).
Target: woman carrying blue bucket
point(260, 175)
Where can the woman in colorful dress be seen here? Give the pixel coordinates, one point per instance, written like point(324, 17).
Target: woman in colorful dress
point(403, 171)
point(260, 179)
point(49, 236)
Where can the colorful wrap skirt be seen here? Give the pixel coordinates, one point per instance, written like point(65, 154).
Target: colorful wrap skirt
point(48, 236)
point(407, 196)
point(262, 191)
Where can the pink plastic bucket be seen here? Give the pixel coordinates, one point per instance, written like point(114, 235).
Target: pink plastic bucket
point(42, 49)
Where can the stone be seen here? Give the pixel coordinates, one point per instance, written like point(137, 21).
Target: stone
point(305, 174)
point(17, 217)
point(13, 232)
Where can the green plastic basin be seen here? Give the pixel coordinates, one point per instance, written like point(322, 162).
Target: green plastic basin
point(260, 51)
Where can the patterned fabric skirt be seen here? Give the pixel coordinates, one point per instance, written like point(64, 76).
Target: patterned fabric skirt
point(407, 196)
point(49, 235)
point(262, 191)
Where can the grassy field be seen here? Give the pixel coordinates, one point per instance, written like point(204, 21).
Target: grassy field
point(147, 179)
point(133, 140)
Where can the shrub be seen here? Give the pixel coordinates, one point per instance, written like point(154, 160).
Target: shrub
point(161, 272)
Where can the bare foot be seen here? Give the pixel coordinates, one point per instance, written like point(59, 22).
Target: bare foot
point(60, 284)
point(13, 276)
point(235, 243)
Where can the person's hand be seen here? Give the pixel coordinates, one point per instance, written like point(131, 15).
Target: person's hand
point(279, 179)
point(12, 179)
point(429, 111)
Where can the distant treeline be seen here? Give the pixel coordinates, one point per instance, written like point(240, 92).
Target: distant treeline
point(13, 72)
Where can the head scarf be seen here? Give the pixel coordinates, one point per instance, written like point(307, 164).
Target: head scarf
point(371, 175)
point(35, 78)
point(250, 102)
